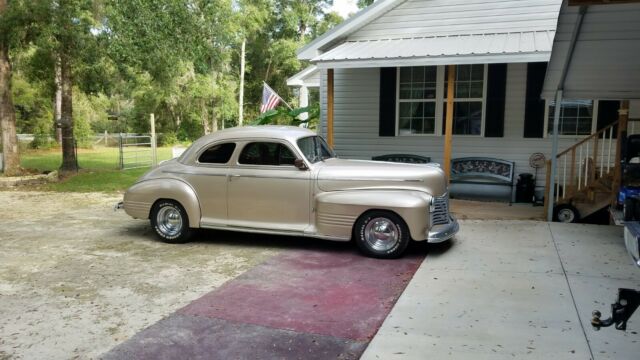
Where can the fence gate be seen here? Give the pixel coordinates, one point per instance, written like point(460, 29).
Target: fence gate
point(136, 151)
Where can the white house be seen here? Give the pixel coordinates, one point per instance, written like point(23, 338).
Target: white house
point(383, 80)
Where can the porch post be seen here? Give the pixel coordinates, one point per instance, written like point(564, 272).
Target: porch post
point(304, 101)
point(330, 107)
point(554, 154)
point(448, 129)
point(623, 117)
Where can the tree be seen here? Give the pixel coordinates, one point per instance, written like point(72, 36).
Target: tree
point(364, 3)
point(7, 112)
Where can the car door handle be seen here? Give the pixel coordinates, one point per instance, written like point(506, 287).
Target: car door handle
point(231, 177)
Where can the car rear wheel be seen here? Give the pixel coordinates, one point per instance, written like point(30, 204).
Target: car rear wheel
point(170, 222)
point(381, 234)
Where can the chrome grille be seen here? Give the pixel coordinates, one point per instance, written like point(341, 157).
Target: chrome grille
point(440, 210)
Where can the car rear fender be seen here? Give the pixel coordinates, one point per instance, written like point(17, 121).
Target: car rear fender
point(336, 212)
point(140, 197)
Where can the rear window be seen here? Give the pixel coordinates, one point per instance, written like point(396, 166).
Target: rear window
point(217, 154)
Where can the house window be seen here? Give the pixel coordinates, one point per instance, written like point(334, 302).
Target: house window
point(417, 100)
point(468, 102)
point(576, 117)
point(421, 100)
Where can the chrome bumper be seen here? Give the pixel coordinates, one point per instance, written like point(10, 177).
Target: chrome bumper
point(444, 232)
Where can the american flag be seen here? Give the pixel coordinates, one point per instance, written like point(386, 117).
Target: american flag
point(270, 99)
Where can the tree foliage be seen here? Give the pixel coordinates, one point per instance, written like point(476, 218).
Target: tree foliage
point(178, 59)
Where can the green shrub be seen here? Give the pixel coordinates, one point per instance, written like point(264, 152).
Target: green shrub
point(167, 139)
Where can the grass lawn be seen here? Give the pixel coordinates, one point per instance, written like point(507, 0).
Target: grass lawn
point(98, 169)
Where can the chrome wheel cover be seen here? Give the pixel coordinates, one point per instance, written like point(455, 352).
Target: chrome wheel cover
point(381, 234)
point(566, 215)
point(169, 221)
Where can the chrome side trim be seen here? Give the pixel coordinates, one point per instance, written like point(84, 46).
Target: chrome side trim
point(271, 232)
point(269, 177)
point(191, 173)
point(369, 179)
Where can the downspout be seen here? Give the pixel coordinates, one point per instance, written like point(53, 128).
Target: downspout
point(558, 101)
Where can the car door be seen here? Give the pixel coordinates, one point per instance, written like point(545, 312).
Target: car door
point(266, 191)
point(208, 177)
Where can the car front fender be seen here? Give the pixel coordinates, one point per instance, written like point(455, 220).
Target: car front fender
point(336, 212)
point(140, 197)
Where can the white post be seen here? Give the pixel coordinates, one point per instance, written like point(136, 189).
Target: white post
point(241, 92)
point(304, 102)
point(154, 150)
point(554, 154)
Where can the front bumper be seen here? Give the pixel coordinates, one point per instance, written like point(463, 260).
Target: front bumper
point(444, 232)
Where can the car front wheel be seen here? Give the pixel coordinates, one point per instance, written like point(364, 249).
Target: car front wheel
point(381, 234)
point(170, 222)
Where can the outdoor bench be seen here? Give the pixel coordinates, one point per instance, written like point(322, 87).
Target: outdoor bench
point(403, 158)
point(482, 178)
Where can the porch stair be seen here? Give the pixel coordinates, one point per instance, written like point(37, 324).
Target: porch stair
point(587, 173)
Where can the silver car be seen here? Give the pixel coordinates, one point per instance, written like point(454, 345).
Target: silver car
point(287, 181)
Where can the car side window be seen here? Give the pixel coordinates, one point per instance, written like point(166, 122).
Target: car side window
point(217, 154)
point(266, 153)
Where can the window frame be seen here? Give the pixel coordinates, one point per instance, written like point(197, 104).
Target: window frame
point(209, 146)
point(440, 102)
point(594, 121)
point(241, 148)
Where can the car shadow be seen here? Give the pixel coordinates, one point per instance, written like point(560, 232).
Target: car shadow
point(281, 242)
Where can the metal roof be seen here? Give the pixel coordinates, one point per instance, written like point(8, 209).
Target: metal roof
point(605, 62)
point(522, 46)
point(309, 77)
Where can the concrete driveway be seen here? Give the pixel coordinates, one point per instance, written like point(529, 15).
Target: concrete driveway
point(514, 289)
point(76, 278)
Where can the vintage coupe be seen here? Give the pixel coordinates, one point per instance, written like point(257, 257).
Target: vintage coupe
point(287, 180)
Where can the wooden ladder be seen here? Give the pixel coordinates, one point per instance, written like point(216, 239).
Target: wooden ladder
point(587, 173)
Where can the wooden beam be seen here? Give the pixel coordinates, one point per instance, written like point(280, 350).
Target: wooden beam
point(448, 129)
point(330, 107)
point(623, 118)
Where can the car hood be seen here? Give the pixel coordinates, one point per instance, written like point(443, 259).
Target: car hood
point(339, 174)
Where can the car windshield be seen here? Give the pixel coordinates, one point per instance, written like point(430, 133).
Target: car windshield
point(315, 149)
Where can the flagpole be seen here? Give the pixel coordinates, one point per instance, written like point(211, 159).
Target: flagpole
point(281, 99)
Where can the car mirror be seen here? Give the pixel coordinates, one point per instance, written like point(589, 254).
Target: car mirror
point(299, 163)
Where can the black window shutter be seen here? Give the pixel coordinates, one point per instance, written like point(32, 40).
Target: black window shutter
point(496, 93)
point(387, 102)
point(535, 106)
point(607, 112)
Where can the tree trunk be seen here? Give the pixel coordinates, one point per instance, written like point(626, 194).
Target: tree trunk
point(205, 117)
point(57, 106)
point(69, 161)
point(7, 112)
point(241, 92)
point(214, 120)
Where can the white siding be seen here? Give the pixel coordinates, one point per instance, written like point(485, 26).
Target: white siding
point(415, 18)
point(605, 62)
point(356, 117)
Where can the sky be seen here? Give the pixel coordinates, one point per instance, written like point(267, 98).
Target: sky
point(345, 7)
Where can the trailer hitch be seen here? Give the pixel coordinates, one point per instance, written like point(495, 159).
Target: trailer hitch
point(621, 310)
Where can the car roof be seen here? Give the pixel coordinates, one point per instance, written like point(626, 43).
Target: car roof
point(290, 133)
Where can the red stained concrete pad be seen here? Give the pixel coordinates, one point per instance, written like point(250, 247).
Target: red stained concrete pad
point(189, 337)
point(338, 294)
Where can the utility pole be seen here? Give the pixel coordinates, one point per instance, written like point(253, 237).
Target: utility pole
point(241, 96)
